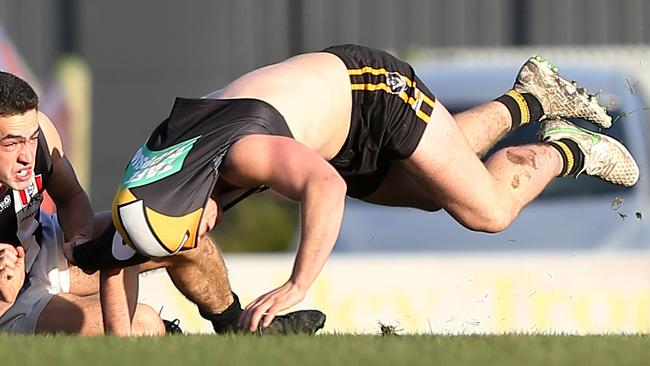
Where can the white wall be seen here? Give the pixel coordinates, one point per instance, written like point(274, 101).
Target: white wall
point(431, 293)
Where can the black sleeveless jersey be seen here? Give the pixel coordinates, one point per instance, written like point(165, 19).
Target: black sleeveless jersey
point(165, 187)
point(19, 209)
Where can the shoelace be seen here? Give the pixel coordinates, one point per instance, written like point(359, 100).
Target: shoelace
point(173, 326)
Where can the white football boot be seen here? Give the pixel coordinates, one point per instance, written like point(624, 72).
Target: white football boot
point(559, 98)
point(605, 157)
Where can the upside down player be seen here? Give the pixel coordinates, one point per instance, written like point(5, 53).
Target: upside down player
point(356, 121)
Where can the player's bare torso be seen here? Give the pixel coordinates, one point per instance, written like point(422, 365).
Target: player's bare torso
point(311, 91)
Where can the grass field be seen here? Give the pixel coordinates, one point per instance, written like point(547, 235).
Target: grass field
point(327, 350)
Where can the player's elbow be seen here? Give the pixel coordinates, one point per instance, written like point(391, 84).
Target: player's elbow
point(325, 185)
point(334, 184)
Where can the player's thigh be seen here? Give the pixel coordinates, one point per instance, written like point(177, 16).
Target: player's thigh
point(447, 169)
point(400, 188)
point(71, 314)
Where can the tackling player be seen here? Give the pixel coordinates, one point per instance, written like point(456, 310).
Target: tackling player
point(40, 292)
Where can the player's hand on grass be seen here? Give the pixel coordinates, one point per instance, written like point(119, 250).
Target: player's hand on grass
point(12, 271)
point(260, 313)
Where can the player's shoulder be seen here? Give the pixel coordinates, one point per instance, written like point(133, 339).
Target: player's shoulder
point(50, 132)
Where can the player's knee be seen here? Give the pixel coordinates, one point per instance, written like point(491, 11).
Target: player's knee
point(147, 322)
point(491, 220)
point(498, 220)
point(204, 249)
point(495, 223)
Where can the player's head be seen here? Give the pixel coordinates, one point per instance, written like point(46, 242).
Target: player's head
point(18, 131)
point(16, 95)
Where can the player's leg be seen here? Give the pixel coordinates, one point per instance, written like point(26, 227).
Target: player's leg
point(444, 171)
point(484, 125)
point(76, 308)
point(481, 126)
point(200, 275)
point(539, 92)
point(72, 314)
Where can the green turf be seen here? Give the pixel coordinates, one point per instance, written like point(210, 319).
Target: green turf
point(327, 350)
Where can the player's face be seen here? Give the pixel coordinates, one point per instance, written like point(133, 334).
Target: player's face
point(212, 216)
point(18, 143)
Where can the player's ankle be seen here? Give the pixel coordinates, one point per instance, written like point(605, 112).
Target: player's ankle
point(227, 320)
point(523, 107)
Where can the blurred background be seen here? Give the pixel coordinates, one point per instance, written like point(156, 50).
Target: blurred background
point(108, 72)
point(118, 65)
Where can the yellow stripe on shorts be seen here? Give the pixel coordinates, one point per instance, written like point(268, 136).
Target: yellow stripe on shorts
point(413, 102)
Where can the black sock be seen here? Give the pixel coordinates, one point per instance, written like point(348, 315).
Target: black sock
point(227, 320)
point(523, 108)
point(572, 156)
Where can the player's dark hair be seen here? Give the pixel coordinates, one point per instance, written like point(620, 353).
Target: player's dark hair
point(16, 96)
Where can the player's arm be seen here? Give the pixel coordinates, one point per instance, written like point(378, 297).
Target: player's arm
point(81, 283)
point(118, 296)
point(73, 206)
point(300, 174)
